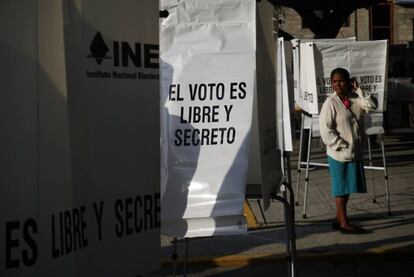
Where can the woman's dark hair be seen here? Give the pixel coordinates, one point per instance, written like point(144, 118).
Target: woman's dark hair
point(340, 71)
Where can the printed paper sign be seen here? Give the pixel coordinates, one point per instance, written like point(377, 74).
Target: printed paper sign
point(365, 60)
point(207, 85)
point(296, 62)
point(307, 86)
point(367, 63)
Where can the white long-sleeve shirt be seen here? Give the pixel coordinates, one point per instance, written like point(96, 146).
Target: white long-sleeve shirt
point(341, 129)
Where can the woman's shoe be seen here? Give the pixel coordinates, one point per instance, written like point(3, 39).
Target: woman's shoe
point(354, 231)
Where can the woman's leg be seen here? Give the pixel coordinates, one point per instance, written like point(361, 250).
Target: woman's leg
point(341, 215)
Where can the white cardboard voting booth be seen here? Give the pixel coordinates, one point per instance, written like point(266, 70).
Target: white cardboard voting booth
point(208, 80)
point(265, 171)
point(210, 94)
point(79, 193)
point(367, 63)
point(365, 60)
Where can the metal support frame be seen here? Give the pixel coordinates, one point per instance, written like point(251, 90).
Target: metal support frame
point(289, 211)
point(374, 199)
point(305, 196)
point(186, 256)
point(174, 257)
point(290, 234)
point(308, 163)
point(287, 182)
point(300, 158)
point(291, 199)
point(387, 191)
point(262, 211)
point(288, 173)
point(288, 202)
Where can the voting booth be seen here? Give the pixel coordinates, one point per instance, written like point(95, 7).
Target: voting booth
point(218, 115)
point(207, 90)
point(367, 63)
point(79, 193)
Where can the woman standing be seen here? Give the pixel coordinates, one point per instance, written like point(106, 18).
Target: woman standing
point(342, 130)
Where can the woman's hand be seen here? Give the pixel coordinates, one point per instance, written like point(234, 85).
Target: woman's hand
point(354, 84)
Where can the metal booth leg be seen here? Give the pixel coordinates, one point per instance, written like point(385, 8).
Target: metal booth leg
point(374, 199)
point(291, 199)
point(174, 257)
point(187, 241)
point(290, 236)
point(387, 189)
point(261, 211)
point(305, 196)
point(300, 158)
point(289, 174)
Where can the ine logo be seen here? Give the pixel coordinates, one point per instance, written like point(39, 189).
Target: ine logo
point(98, 49)
point(123, 53)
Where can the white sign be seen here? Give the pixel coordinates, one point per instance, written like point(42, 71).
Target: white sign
point(296, 73)
point(208, 71)
point(80, 148)
point(308, 95)
point(296, 62)
point(366, 61)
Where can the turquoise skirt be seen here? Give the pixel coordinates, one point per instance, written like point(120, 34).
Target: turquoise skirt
point(346, 177)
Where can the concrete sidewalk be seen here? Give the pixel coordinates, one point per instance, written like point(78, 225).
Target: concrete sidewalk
point(392, 236)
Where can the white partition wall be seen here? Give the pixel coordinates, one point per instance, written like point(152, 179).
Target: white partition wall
point(264, 174)
point(19, 191)
point(113, 81)
point(79, 182)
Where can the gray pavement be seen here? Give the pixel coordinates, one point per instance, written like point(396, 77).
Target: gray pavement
point(320, 250)
point(388, 268)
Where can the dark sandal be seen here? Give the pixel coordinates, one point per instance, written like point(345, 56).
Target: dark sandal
point(353, 231)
